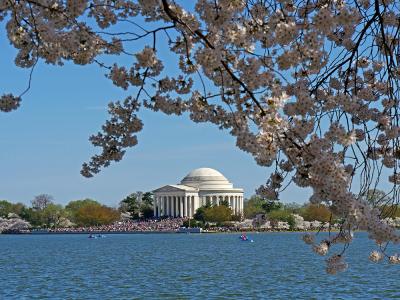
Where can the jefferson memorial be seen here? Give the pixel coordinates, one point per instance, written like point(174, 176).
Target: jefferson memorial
point(199, 187)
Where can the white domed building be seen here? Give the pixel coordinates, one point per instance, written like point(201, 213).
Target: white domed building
point(196, 189)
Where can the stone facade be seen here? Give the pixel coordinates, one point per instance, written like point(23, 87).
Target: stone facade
point(196, 189)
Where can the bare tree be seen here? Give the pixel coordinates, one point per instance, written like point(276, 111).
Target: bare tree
point(40, 202)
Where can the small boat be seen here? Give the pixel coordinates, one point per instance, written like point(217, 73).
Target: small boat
point(244, 238)
point(96, 236)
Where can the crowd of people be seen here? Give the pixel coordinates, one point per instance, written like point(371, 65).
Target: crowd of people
point(163, 225)
point(16, 225)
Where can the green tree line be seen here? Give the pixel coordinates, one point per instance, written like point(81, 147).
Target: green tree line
point(277, 211)
point(45, 213)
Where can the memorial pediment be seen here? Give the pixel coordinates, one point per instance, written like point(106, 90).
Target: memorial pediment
point(174, 188)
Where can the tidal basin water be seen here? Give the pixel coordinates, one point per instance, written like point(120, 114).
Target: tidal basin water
point(187, 266)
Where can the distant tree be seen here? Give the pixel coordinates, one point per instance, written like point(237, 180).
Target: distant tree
point(146, 205)
point(218, 214)
point(391, 211)
point(37, 214)
point(294, 208)
point(258, 205)
point(31, 216)
point(52, 214)
point(18, 208)
point(224, 203)
point(147, 212)
point(5, 208)
point(236, 218)
point(192, 223)
point(147, 198)
point(270, 205)
point(281, 215)
point(253, 206)
point(41, 201)
point(73, 207)
point(313, 212)
point(77, 204)
point(200, 214)
point(131, 205)
point(93, 215)
point(376, 197)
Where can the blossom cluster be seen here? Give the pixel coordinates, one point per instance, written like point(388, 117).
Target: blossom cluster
point(13, 223)
point(8, 102)
point(335, 264)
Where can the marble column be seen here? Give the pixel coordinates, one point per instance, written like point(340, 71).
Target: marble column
point(184, 206)
point(167, 209)
point(172, 206)
point(180, 207)
point(189, 206)
point(175, 207)
point(155, 207)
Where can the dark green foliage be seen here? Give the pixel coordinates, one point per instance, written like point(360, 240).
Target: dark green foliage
point(73, 207)
point(270, 205)
point(8, 207)
point(147, 198)
point(192, 223)
point(281, 215)
point(224, 203)
point(199, 214)
point(257, 205)
point(218, 214)
point(131, 205)
point(146, 211)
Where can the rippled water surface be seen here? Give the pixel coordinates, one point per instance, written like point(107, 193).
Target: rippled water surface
point(172, 266)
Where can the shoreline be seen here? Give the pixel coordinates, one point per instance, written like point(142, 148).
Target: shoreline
point(158, 232)
point(87, 232)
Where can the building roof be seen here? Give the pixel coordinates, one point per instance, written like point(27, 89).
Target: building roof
point(206, 179)
point(201, 180)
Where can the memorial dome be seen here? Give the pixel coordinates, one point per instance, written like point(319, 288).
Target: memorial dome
point(206, 178)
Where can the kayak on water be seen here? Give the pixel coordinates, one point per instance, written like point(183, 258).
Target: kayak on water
point(244, 238)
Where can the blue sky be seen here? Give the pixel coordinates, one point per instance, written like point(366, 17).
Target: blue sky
point(44, 143)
